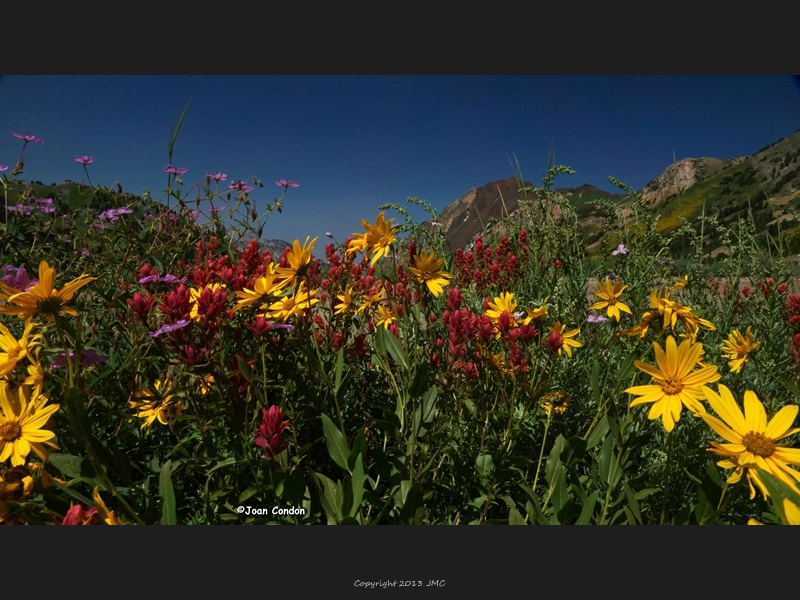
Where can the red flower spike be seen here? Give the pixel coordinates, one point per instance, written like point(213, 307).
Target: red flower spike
point(269, 436)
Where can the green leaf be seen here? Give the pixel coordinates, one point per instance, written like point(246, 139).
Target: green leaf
point(73, 467)
point(597, 433)
point(709, 493)
point(168, 509)
point(417, 386)
point(338, 373)
point(606, 459)
point(514, 516)
point(328, 498)
point(393, 346)
point(789, 385)
point(484, 465)
point(779, 493)
point(633, 505)
point(554, 458)
point(336, 443)
point(359, 449)
point(594, 380)
point(173, 135)
point(357, 483)
point(587, 511)
point(628, 369)
point(413, 511)
point(559, 493)
point(427, 410)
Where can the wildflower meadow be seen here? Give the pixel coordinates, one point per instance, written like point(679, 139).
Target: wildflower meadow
point(157, 368)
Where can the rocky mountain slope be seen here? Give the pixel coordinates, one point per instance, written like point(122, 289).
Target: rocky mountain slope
point(766, 185)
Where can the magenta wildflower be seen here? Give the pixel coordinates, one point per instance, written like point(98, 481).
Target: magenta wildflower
point(170, 278)
point(621, 249)
point(113, 214)
point(595, 319)
point(27, 138)
point(169, 327)
point(175, 170)
point(88, 357)
point(3, 168)
point(329, 234)
point(85, 160)
point(240, 186)
point(286, 183)
point(219, 177)
point(269, 436)
point(21, 208)
point(216, 209)
point(18, 279)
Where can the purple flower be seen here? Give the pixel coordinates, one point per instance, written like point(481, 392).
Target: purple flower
point(27, 138)
point(435, 224)
point(170, 278)
point(175, 170)
point(194, 214)
point(219, 177)
point(286, 183)
point(112, 214)
point(18, 279)
point(149, 279)
point(3, 168)
point(240, 186)
point(85, 160)
point(21, 208)
point(88, 357)
point(595, 319)
point(216, 209)
point(612, 276)
point(329, 234)
point(47, 209)
point(621, 249)
point(519, 315)
point(85, 251)
point(41, 200)
point(169, 327)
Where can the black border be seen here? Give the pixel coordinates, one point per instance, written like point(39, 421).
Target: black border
point(670, 39)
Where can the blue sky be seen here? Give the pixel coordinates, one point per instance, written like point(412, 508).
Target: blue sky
point(356, 142)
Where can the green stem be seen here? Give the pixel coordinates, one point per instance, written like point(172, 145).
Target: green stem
point(541, 453)
point(665, 484)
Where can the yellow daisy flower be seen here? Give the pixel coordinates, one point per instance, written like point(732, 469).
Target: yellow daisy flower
point(369, 300)
point(42, 298)
point(296, 304)
point(379, 237)
point(738, 348)
point(566, 342)
point(751, 440)
point(503, 303)
point(358, 243)
point(21, 425)
point(674, 383)
point(536, 314)
point(346, 300)
point(555, 403)
point(428, 270)
point(384, 317)
point(106, 516)
point(13, 350)
point(299, 260)
point(609, 294)
point(269, 284)
point(158, 404)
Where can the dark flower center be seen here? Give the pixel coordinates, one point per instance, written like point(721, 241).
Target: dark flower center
point(672, 386)
point(10, 432)
point(759, 444)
